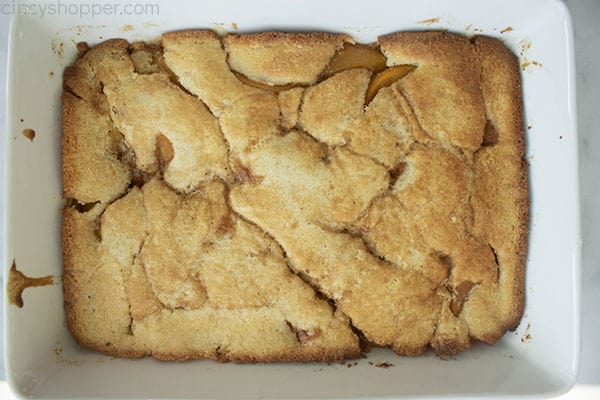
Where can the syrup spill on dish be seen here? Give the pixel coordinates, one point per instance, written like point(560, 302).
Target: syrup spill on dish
point(29, 134)
point(429, 21)
point(18, 282)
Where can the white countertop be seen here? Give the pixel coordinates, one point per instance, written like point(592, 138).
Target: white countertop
point(585, 15)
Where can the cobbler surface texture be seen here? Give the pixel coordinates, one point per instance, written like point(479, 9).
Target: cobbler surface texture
point(274, 196)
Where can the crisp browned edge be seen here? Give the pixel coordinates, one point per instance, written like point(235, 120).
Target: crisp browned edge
point(197, 34)
point(69, 242)
point(281, 357)
point(69, 232)
point(451, 52)
point(452, 347)
point(448, 40)
point(441, 41)
point(69, 172)
point(70, 295)
point(448, 47)
point(441, 47)
point(492, 47)
point(276, 37)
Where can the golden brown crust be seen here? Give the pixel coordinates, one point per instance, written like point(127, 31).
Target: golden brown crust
point(383, 131)
point(295, 38)
point(253, 313)
point(422, 47)
point(90, 166)
point(278, 58)
point(444, 90)
point(198, 34)
point(289, 104)
point(503, 100)
point(200, 63)
point(392, 210)
point(329, 106)
point(198, 149)
point(87, 284)
point(82, 78)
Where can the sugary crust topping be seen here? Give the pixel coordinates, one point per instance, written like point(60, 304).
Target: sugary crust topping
point(209, 205)
point(145, 106)
point(91, 167)
point(198, 60)
point(170, 271)
point(289, 104)
point(330, 106)
point(450, 108)
point(278, 58)
point(501, 212)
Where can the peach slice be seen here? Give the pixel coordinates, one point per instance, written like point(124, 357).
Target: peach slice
point(272, 88)
point(164, 149)
point(386, 78)
point(357, 56)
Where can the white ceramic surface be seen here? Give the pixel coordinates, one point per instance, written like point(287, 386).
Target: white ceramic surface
point(43, 361)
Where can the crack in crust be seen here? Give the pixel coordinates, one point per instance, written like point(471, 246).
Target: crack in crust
point(454, 280)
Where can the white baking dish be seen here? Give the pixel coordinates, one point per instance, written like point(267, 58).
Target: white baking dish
point(43, 361)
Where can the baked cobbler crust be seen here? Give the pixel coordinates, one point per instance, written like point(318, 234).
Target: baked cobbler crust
point(233, 198)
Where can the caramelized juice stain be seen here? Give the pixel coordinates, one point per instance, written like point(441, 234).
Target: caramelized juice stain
point(226, 226)
point(29, 133)
point(272, 88)
point(243, 174)
point(18, 282)
point(429, 21)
